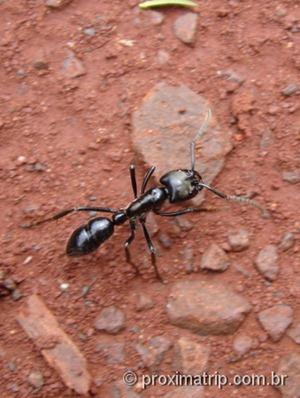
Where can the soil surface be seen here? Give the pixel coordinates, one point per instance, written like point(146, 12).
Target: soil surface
point(70, 79)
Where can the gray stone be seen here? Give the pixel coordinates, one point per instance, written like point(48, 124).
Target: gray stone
point(16, 295)
point(214, 258)
point(184, 392)
point(164, 125)
point(111, 351)
point(190, 357)
point(40, 60)
point(231, 76)
point(266, 262)
point(153, 353)
point(89, 31)
point(165, 240)
point(238, 240)
point(156, 18)
point(73, 67)
point(275, 320)
point(293, 176)
point(188, 259)
point(291, 89)
point(185, 27)
point(111, 320)
point(162, 57)
point(184, 224)
point(242, 344)
point(57, 3)
point(267, 139)
point(290, 366)
point(36, 379)
point(294, 333)
point(207, 308)
point(287, 241)
point(143, 302)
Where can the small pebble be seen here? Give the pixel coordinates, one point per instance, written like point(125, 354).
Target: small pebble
point(293, 176)
point(73, 67)
point(184, 224)
point(156, 17)
point(215, 258)
point(291, 89)
point(64, 286)
point(111, 320)
point(188, 259)
point(185, 27)
point(165, 240)
point(57, 3)
point(242, 344)
point(27, 260)
point(16, 295)
point(287, 241)
point(239, 240)
point(266, 262)
point(21, 160)
point(162, 57)
point(36, 379)
point(143, 302)
point(89, 31)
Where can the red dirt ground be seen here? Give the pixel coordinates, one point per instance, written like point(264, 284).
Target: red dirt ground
point(79, 130)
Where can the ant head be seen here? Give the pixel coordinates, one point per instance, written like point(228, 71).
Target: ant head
point(182, 184)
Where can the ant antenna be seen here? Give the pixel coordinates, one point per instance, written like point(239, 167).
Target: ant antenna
point(199, 134)
point(235, 198)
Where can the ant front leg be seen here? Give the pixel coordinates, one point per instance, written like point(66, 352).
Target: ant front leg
point(180, 212)
point(126, 246)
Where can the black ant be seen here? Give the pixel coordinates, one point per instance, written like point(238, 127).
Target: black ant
point(176, 186)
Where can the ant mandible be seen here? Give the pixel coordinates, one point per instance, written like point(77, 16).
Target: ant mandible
point(176, 186)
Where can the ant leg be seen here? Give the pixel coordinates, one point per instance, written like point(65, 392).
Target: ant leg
point(180, 212)
point(147, 177)
point(127, 243)
point(151, 248)
point(133, 179)
point(64, 213)
point(192, 149)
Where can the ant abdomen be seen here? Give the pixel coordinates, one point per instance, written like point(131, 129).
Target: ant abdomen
point(89, 237)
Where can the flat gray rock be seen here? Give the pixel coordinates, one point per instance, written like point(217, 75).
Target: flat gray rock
point(111, 320)
point(207, 308)
point(275, 320)
point(242, 344)
point(238, 240)
point(215, 259)
point(266, 262)
point(185, 27)
point(166, 123)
